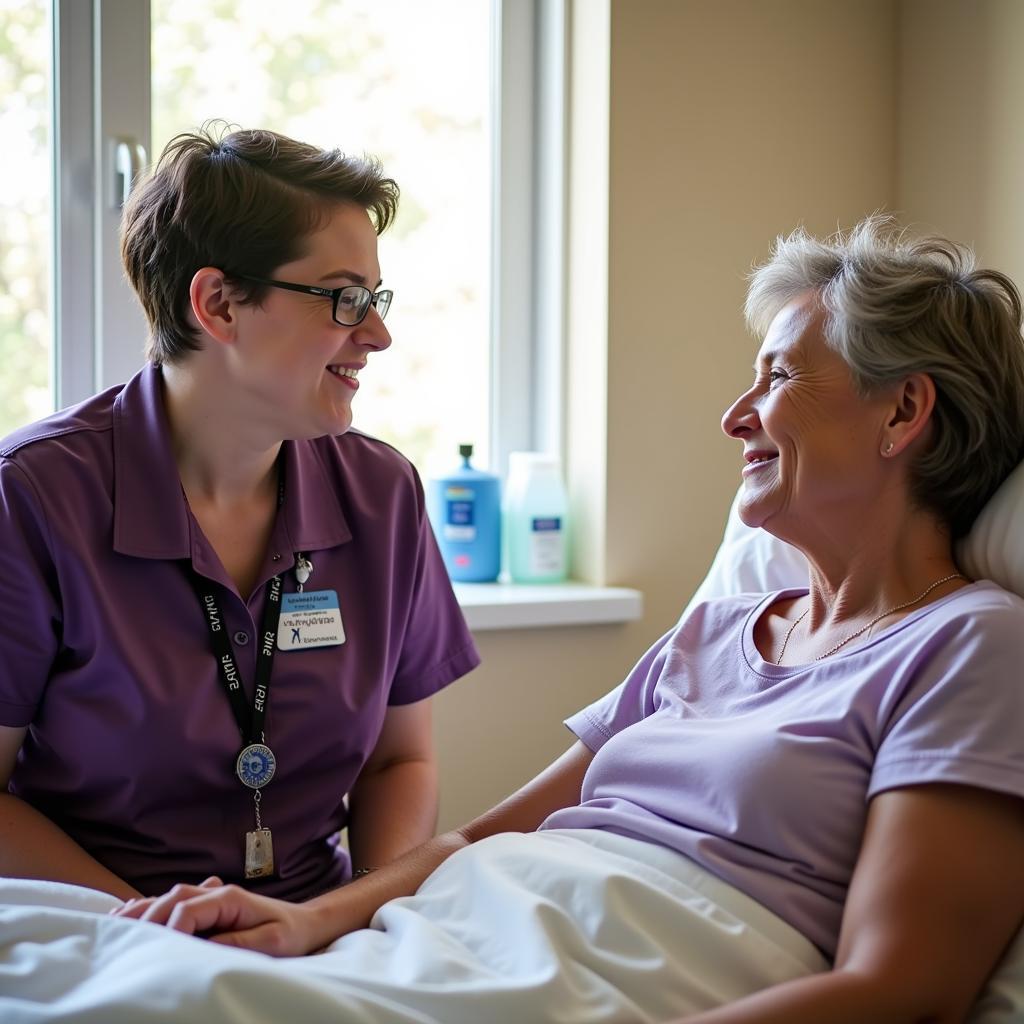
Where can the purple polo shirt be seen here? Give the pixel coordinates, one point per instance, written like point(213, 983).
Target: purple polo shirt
point(762, 773)
point(106, 656)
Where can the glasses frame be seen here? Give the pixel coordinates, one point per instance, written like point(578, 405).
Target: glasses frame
point(383, 295)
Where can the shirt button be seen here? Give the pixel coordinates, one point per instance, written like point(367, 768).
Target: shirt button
point(241, 638)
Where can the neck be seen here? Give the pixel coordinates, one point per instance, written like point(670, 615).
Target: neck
point(221, 458)
point(882, 561)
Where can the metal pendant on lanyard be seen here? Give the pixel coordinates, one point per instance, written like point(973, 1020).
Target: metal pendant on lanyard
point(256, 764)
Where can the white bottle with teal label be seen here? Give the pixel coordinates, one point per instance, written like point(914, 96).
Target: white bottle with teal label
point(465, 511)
point(536, 519)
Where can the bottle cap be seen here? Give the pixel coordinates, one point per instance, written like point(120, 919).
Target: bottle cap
point(465, 450)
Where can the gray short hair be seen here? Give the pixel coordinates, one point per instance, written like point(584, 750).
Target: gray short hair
point(896, 306)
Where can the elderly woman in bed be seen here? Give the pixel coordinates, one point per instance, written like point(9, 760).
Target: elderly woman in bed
point(848, 754)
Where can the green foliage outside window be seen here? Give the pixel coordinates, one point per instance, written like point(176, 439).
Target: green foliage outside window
point(25, 224)
point(404, 80)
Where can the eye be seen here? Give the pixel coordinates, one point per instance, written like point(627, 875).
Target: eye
point(774, 376)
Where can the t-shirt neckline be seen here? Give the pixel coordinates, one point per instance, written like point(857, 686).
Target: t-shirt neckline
point(758, 664)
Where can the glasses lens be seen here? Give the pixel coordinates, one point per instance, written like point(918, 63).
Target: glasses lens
point(382, 302)
point(353, 302)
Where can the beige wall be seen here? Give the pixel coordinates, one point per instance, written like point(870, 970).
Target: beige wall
point(727, 122)
point(731, 121)
point(961, 112)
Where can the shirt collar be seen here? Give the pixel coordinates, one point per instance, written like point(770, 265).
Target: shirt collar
point(314, 512)
point(151, 516)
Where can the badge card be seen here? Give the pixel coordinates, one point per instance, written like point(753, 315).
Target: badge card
point(311, 618)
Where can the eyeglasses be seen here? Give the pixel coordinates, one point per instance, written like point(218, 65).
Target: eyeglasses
point(350, 303)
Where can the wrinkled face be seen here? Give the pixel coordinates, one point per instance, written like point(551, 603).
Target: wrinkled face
point(294, 364)
point(810, 442)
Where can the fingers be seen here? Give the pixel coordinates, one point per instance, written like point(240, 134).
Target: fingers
point(140, 906)
point(133, 908)
point(245, 921)
point(192, 909)
point(227, 915)
point(266, 938)
point(158, 909)
point(211, 910)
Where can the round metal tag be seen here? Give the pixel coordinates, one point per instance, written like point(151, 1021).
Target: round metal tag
point(256, 765)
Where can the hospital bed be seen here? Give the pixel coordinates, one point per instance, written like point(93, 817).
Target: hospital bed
point(499, 933)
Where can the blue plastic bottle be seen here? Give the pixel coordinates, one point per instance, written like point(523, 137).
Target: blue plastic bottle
point(465, 511)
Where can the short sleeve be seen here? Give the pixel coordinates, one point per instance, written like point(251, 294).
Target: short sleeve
point(962, 719)
point(437, 647)
point(630, 702)
point(29, 609)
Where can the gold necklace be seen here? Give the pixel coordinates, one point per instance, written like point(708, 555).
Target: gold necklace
point(864, 629)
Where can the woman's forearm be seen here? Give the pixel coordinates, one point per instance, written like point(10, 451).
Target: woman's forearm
point(835, 997)
point(32, 846)
point(391, 812)
point(351, 907)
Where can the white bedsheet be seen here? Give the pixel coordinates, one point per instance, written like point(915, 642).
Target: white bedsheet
point(564, 926)
point(558, 926)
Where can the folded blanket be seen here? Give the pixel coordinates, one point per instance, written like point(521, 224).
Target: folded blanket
point(578, 926)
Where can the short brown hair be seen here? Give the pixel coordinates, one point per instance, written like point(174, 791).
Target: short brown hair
point(243, 201)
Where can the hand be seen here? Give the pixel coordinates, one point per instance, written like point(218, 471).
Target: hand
point(231, 916)
point(137, 906)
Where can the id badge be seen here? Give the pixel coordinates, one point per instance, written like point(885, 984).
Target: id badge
point(310, 618)
point(259, 853)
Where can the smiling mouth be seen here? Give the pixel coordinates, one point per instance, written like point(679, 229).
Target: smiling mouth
point(755, 462)
point(346, 375)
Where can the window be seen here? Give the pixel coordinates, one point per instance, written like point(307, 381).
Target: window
point(457, 97)
point(26, 214)
point(409, 83)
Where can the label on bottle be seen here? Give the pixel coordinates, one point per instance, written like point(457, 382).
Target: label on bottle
point(458, 519)
point(547, 546)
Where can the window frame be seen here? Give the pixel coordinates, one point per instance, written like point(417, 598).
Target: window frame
point(102, 97)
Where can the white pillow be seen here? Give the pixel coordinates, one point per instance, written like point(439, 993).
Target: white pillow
point(994, 549)
point(753, 560)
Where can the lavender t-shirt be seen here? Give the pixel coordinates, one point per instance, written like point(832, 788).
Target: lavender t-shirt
point(762, 774)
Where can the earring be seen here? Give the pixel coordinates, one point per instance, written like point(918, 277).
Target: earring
point(888, 449)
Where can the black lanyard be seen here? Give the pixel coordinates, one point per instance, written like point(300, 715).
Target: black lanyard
point(250, 721)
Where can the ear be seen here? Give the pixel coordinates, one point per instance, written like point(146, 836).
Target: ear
point(909, 414)
point(211, 304)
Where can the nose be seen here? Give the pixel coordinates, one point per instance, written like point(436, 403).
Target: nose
point(372, 333)
point(741, 418)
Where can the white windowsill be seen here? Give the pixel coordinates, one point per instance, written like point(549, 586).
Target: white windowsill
point(521, 606)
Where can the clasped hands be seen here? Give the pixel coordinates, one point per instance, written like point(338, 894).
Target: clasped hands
point(232, 916)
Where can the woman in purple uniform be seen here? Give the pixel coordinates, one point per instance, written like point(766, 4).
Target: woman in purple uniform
point(223, 611)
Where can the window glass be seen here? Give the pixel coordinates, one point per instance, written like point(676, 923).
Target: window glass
point(26, 214)
point(408, 82)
